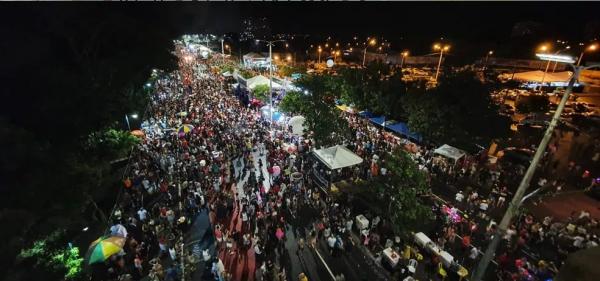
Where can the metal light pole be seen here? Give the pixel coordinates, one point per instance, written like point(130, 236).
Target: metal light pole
point(544, 76)
point(223, 50)
point(442, 49)
point(592, 47)
point(404, 55)
point(371, 42)
point(134, 116)
point(319, 51)
point(182, 261)
point(271, 86)
point(270, 44)
point(127, 121)
point(487, 57)
point(518, 198)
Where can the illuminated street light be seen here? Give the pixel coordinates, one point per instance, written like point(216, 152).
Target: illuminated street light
point(320, 50)
point(372, 42)
point(404, 55)
point(441, 49)
point(487, 56)
point(133, 116)
point(590, 48)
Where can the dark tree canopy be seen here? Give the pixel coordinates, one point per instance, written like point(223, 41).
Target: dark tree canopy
point(68, 73)
point(459, 108)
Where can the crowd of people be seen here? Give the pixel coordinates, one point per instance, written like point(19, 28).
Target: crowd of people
point(206, 153)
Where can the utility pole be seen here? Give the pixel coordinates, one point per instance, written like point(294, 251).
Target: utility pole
point(437, 72)
point(271, 86)
point(270, 44)
point(222, 50)
point(517, 199)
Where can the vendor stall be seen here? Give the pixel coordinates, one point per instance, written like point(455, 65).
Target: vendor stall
point(391, 256)
point(450, 152)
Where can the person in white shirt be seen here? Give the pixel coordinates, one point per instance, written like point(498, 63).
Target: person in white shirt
point(459, 196)
point(142, 214)
point(173, 253)
point(473, 253)
point(349, 224)
point(331, 243)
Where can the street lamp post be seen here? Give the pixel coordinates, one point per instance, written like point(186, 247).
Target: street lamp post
point(590, 48)
point(487, 57)
point(371, 42)
point(270, 44)
point(442, 49)
point(517, 200)
point(223, 50)
point(319, 50)
point(404, 55)
point(134, 116)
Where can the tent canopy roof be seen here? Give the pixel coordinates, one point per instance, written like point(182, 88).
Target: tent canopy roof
point(337, 157)
point(253, 55)
point(260, 80)
point(450, 152)
point(402, 128)
point(537, 75)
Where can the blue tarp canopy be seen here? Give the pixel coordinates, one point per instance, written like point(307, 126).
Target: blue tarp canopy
point(402, 128)
point(378, 120)
point(365, 114)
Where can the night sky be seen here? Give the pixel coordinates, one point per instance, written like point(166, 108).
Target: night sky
point(490, 22)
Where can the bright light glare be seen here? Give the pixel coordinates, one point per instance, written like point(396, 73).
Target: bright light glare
point(557, 58)
point(85, 229)
point(134, 116)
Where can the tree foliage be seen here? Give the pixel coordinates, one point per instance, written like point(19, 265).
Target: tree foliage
point(378, 88)
point(246, 73)
point(70, 73)
point(292, 102)
point(459, 108)
point(261, 92)
point(401, 189)
point(52, 255)
point(288, 70)
point(318, 108)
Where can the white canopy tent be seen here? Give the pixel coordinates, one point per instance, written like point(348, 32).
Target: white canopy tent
point(337, 157)
point(297, 124)
point(260, 80)
point(450, 152)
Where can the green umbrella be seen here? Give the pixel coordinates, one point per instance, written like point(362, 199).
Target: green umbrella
point(103, 248)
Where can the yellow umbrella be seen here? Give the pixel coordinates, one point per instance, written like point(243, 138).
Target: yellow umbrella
point(103, 248)
point(185, 129)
